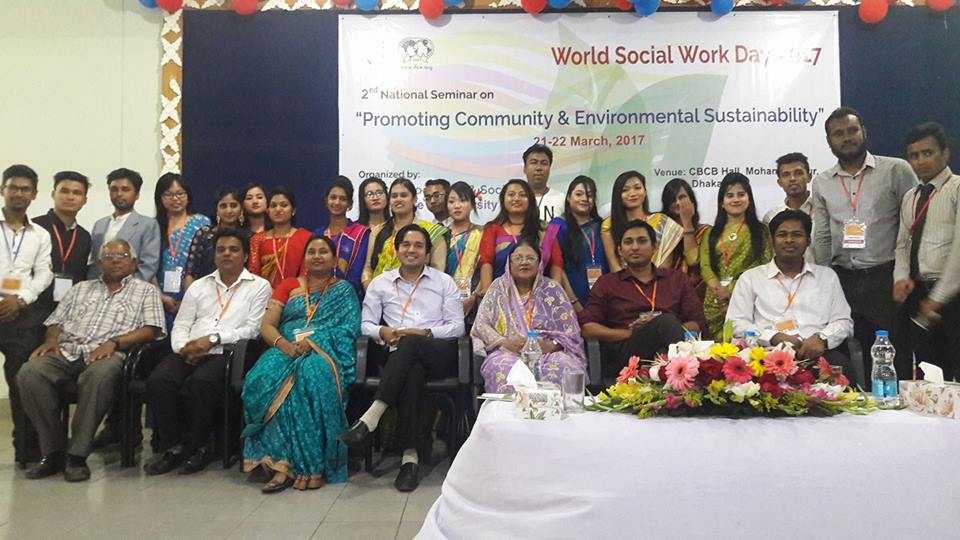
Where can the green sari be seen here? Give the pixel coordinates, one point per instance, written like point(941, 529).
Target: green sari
point(739, 261)
point(295, 408)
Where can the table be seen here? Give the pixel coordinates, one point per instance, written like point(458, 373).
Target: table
point(890, 474)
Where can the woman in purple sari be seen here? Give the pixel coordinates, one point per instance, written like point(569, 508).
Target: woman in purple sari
point(520, 301)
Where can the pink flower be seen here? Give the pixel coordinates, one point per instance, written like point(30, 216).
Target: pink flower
point(681, 372)
point(673, 401)
point(630, 371)
point(736, 370)
point(780, 363)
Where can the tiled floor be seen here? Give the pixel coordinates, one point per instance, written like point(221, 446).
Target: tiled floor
point(125, 503)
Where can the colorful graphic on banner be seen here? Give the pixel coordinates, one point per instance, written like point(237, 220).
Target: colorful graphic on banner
point(673, 95)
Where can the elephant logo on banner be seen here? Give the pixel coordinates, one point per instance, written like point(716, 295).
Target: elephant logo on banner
point(415, 50)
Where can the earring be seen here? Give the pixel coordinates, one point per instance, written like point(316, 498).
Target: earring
point(218, 221)
point(241, 220)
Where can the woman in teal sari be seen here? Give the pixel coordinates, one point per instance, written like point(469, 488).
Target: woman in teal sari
point(294, 399)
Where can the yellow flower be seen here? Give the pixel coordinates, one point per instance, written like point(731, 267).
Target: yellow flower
point(757, 353)
point(756, 365)
point(723, 350)
point(716, 386)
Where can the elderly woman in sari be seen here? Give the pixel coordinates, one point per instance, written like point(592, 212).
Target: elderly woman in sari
point(294, 399)
point(522, 300)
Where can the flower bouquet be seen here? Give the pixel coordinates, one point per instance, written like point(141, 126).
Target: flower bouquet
point(723, 379)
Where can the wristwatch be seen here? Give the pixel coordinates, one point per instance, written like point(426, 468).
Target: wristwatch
point(214, 339)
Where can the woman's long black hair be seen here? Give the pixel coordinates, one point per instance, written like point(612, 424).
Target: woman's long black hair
point(531, 219)
point(754, 224)
point(618, 215)
point(573, 243)
point(164, 183)
point(386, 233)
point(669, 196)
point(364, 217)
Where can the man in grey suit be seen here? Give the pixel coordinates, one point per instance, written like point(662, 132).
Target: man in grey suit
point(141, 232)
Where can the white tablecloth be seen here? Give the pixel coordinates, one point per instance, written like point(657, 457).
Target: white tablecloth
point(890, 474)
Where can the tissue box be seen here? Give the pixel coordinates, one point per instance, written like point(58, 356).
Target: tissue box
point(940, 399)
point(544, 403)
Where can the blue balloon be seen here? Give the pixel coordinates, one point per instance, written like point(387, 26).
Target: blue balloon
point(452, 2)
point(721, 7)
point(559, 4)
point(367, 5)
point(797, 2)
point(646, 7)
point(148, 3)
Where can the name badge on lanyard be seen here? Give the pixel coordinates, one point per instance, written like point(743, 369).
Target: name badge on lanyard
point(593, 274)
point(854, 229)
point(463, 286)
point(10, 281)
point(594, 271)
point(172, 280)
point(61, 285)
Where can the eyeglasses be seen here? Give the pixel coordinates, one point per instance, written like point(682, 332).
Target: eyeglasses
point(432, 196)
point(174, 195)
point(26, 190)
point(374, 194)
point(115, 256)
point(524, 259)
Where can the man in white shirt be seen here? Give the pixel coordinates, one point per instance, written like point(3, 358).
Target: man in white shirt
point(537, 161)
point(25, 273)
point(414, 311)
point(793, 176)
point(793, 301)
point(219, 309)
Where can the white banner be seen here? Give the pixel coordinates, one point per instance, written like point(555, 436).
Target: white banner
point(672, 95)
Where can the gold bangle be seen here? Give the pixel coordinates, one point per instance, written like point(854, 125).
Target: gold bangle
point(277, 340)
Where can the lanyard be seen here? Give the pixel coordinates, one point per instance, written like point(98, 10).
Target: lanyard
point(728, 252)
point(854, 202)
point(591, 244)
point(651, 301)
point(790, 295)
point(918, 214)
point(311, 312)
point(406, 305)
point(64, 256)
point(329, 235)
point(224, 307)
point(281, 261)
point(12, 253)
point(174, 250)
point(510, 231)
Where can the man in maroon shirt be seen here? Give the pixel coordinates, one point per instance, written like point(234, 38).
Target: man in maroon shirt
point(641, 309)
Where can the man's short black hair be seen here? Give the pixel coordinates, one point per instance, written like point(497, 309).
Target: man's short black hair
point(74, 176)
point(924, 130)
point(397, 240)
point(131, 175)
point(232, 233)
point(791, 215)
point(20, 171)
point(438, 182)
point(793, 157)
point(841, 112)
point(639, 224)
point(538, 149)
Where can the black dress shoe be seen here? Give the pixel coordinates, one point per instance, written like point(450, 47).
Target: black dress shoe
point(195, 463)
point(357, 436)
point(76, 469)
point(164, 463)
point(409, 477)
point(49, 465)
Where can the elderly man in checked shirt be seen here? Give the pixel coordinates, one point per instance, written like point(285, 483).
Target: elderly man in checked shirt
point(87, 339)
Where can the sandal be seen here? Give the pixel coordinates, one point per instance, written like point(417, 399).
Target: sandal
point(278, 483)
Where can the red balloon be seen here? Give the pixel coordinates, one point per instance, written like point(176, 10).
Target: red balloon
point(624, 5)
point(533, 6)
point(245, 7)
point(873, 11)
point(940, 5)
point(781, 2)
point(170, 6)
point(342, 3)
point(431, 9)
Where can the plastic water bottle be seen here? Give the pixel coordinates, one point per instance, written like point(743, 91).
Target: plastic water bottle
point(883, 379)
point(689, 336)
point(532, 353)
point(750, 339)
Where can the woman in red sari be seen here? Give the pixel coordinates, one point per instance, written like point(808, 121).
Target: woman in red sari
point(277, 253)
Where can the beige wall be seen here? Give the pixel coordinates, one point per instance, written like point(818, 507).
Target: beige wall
point(79, 87)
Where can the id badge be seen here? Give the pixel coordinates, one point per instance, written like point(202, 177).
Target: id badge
point(854, 234)
point(61, 285)
point(301, 334)
point(786, 326)
point(463, 286)
point(11, 283)
point(593, 274)
point(171, 280)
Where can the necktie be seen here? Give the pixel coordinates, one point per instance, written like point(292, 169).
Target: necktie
point(917, 234)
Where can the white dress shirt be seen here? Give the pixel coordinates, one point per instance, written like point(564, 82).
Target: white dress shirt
point(201, 314)
point(113, 229)
point(550, 205)
point(759, 301)
point(24, 260)
point(432, 302)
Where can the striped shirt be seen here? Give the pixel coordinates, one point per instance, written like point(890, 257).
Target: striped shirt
point(885, 181)
point(939, 255)
point(90, 314)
